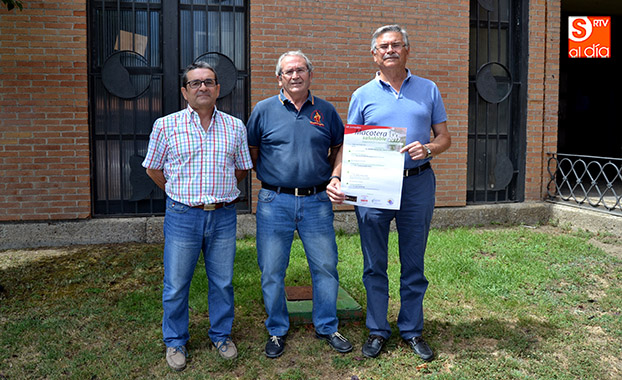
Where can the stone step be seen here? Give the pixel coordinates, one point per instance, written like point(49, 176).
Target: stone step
point(300, 305)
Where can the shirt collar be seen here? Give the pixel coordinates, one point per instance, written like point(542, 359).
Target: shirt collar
point(283, 99)
point(192, 113)
point(380, 81)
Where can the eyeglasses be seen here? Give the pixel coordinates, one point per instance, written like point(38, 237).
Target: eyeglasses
point(290, 73)
point(194, 84)
point(394, 45)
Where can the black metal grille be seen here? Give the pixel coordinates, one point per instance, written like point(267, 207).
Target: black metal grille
point(497, 101)
point(137, 51)
point(587, 181)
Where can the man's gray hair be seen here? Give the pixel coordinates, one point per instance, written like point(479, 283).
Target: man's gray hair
point(385, 29)
point(279, 70)
point(197, 65)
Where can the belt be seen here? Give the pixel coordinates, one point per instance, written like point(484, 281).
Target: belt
point(214, 206)
point(297, 191)
point(417, 170)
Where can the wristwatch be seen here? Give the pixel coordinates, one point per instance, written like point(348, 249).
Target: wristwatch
point(428, 152)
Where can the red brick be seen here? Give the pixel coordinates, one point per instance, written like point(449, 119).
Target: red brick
point(43, 85)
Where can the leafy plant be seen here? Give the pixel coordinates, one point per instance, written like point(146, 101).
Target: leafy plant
point(10, 4)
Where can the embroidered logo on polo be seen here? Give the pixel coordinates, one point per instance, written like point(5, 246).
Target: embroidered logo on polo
point(316, 118)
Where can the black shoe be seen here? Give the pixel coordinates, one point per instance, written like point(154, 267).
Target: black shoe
point(275, 346)
point(421, 348)
point(372, 347)
point(337, 341)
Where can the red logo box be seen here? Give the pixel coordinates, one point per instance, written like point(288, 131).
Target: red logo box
point(589, 37)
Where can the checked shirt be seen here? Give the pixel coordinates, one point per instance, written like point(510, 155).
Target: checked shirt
point(199, 166)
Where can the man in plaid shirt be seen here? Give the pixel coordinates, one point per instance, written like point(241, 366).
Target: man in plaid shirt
point(197, 156)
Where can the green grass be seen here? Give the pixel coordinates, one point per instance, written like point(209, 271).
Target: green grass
point(503, 303)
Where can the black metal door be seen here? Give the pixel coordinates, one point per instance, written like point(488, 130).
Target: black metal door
point(137, 50)
point(497, 101)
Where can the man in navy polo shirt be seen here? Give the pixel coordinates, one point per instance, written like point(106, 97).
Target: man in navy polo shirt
point(294, 138)
point(398, 98)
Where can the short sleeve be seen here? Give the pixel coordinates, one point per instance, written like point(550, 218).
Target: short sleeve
point(156, 151)
point(355, 113)
point(253, 127)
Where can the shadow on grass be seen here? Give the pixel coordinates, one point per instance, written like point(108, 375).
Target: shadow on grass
point(87, 270)
point(486, 336)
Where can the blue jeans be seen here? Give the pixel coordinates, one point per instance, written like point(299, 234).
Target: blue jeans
point(413, 224)
point(187, 232)
point(278, 216)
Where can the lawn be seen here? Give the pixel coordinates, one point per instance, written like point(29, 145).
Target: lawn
point(503, 303)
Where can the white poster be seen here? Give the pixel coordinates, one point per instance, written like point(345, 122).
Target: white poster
point(372, 166)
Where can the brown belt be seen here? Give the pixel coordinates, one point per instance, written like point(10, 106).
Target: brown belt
point(214, 206)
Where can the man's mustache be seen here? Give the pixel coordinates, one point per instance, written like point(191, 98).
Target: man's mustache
point(390, 55)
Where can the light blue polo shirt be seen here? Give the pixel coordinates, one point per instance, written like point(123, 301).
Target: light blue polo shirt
point(417, 106)
point(293, 145)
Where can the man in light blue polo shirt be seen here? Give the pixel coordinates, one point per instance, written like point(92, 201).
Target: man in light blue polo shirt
point(294, 138)
point(397, 98)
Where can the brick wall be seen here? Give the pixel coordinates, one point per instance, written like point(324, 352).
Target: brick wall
point(336, 36)
point(44, 133)
point(44, 139)
point(543, 93)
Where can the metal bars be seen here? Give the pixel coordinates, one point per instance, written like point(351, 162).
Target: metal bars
point(587, 181)
point(137, 50)
point(497, 114)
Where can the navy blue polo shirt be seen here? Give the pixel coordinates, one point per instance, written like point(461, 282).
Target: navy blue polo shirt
point(294, 145)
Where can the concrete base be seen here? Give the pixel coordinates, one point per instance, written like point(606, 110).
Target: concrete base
point(300, 305)
point(579, 218)
point(22, 235)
